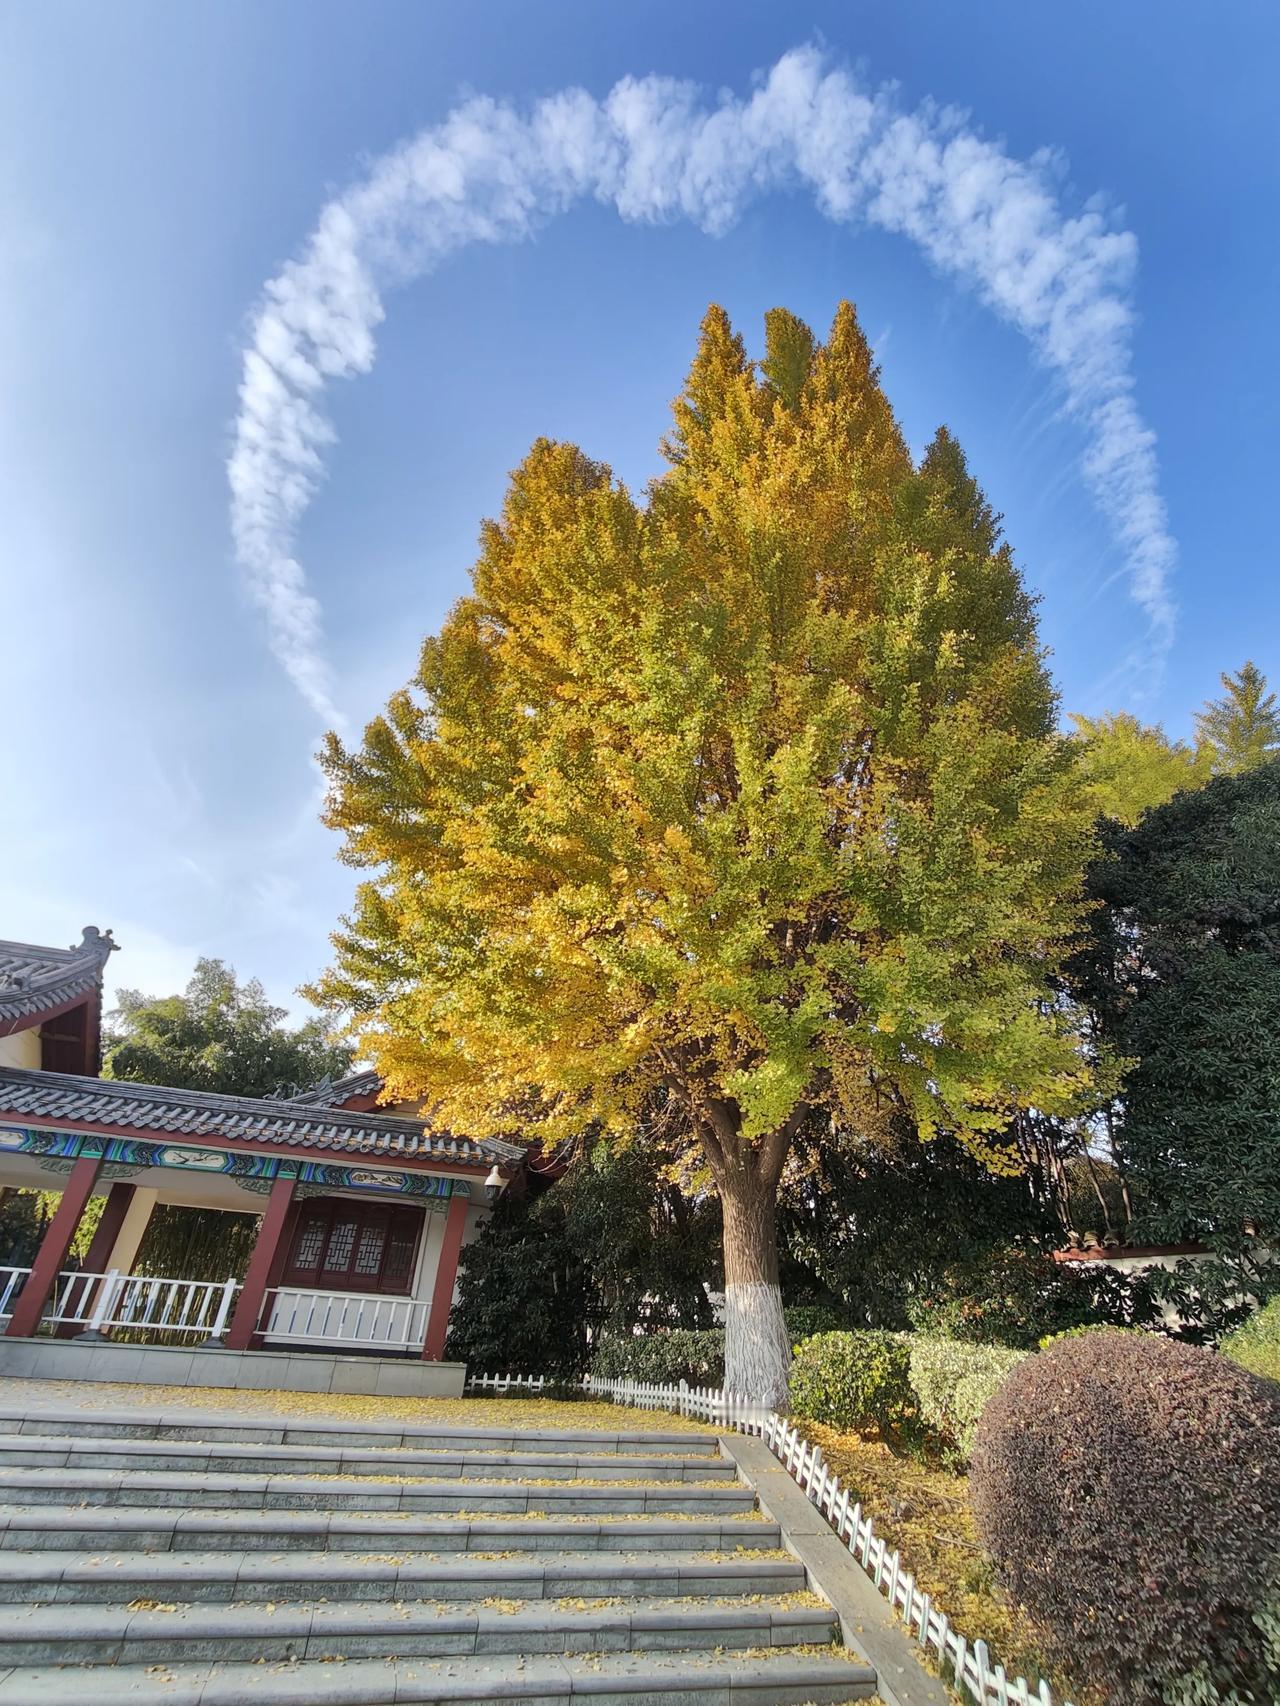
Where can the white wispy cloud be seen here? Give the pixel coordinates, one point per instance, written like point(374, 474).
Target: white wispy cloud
point(1059, 271)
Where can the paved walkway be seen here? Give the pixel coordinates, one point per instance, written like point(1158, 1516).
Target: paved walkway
point(214, 1549)
point(579, 1414)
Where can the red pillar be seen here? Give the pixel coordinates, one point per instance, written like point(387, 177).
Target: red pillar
point(270, 1232)
point(275, 1273)
point(53, 1248)
point(114, 1210)
point(446, 1276)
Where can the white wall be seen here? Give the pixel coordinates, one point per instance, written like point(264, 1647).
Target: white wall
point(22, 1049)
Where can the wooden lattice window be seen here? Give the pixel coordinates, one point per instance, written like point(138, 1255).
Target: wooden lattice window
point(353, 1246)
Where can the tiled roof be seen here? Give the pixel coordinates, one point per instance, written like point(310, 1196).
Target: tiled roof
point(58, 1098)
point(35, 980)
point(332, 1092)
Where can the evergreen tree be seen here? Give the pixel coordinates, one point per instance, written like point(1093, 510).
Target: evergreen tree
point(218, 1035)
point(613, 1247)
point(749, 798)
point(1184, 977)
point(1131, 766)
point(1242, 729)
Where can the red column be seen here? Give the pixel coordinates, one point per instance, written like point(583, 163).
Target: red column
point(270, 1232)
point(53, 1248)
point(446, 1277)
point(114, 1210)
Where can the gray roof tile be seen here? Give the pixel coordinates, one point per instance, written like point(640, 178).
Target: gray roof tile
point(331, 1092)
point(33, 980)
point(58, 1097)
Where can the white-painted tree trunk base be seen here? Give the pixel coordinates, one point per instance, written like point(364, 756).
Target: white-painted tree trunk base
point(757, 1349)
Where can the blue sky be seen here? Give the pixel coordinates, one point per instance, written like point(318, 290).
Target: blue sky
point(159, 164)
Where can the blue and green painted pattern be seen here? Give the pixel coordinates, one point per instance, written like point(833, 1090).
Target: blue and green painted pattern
point(256, 1172)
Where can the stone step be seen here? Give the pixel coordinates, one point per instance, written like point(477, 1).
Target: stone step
point(296, 1492)
point(270, 1429)
point(172, 1529)
point(782, 1678)
point(51, 1577)
point(172, 1633)
point(233, 1457)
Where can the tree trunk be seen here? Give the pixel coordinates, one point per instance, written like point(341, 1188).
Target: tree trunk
point(757, 1350)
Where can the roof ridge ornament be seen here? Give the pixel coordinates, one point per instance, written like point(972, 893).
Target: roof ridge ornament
point(95, 941)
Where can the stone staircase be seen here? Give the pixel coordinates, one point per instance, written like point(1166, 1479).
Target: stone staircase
point(229, 1559)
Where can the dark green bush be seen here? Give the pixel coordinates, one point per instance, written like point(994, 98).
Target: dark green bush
point(804, 1320)
point(854, 1380)
point(663, 1358)
point(1018, 1296)
point(1128, 1490)
point(673, 1355)
point(526, 1300)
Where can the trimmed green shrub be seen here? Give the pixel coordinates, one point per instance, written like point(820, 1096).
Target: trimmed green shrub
point(1128, 1490)
point(1089, 1327)
point(953, 1382)
point(1256, 1345)
point(854, 1380)
point(663, 1358)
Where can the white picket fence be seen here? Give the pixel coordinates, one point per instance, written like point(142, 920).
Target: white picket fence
point(504, 1385)
point(968, 1662)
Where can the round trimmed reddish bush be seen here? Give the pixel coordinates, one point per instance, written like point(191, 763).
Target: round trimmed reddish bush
point(1128, 1490)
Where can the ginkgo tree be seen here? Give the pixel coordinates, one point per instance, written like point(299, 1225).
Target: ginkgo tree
point(744, 802)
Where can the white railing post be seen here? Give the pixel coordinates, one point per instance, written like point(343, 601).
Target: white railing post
point(102, 1307)
point(216, 1341)
point(13, 1283)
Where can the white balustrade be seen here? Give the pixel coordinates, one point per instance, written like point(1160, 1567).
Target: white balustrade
point(11, 1280)
point(200, 1309)
point(345, 1318)
point(100, 1302)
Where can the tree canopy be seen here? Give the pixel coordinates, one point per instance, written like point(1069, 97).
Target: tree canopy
point(1131, 766)
point(217, 1035)
point(1184, 975)
point(1242, 729)
point(748, 796)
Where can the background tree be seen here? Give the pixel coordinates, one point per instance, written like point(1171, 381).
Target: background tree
point(527, 1302)
point(1242, 729)
point(878, 1221)
point(750, 796)
point(217, 1035)
point(1130, 765)
point(1183, 972)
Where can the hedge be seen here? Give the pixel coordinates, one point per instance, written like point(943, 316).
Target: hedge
point(1256, 1345)
point(678, 1353)
point(854, 1380)
point(953, 1381)
point(661, 1358)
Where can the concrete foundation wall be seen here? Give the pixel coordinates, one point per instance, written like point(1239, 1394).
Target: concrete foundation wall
point(262, 1371)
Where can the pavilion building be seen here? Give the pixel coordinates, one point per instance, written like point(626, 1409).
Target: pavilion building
point(363, 1211)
